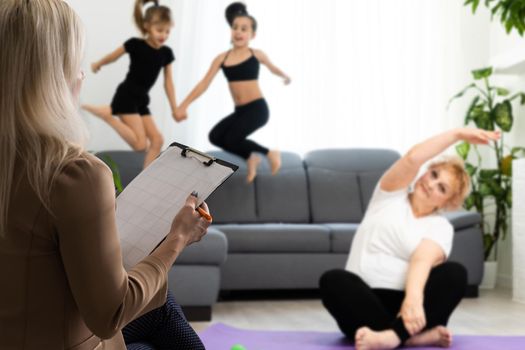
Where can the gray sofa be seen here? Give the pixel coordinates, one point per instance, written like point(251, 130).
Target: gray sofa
point(282, 232)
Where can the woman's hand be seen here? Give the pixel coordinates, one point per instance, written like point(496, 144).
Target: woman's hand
point(478, 136)
point(188, 226)
point(413, 315)
point(95, 67)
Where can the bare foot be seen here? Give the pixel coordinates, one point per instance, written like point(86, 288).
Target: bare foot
point(437, 336)
point(274, 157)
point(103, 112)
point(252, 163)
point(367, 339)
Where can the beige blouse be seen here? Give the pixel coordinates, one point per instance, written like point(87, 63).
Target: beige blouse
point(63, 285)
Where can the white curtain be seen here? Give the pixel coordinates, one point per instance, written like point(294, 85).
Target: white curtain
point(374, 73)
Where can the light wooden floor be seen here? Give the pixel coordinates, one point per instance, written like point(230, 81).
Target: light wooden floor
point(493, 313)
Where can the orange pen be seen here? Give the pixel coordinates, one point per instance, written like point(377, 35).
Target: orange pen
point(204, 214)
point(201, 211)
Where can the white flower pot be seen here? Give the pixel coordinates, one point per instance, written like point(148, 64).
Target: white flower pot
point(490, 274)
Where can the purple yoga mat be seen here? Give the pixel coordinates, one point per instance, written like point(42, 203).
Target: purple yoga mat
point(222, 337)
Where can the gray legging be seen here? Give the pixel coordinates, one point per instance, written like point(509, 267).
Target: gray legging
point(354, 304)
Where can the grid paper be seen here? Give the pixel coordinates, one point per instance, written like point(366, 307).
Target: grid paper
point(147, 206)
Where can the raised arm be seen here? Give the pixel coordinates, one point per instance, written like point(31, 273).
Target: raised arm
point(263, 58)
point(402, 173)
point(170, 90)
point(427, 255)
point(199, 89)
point(112, 57)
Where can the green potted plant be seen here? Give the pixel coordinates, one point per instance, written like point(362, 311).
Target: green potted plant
point(491, 195)
point(511, 12)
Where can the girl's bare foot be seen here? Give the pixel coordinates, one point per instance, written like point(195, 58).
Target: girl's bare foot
point(274, 157)
point(103, 112)
point(437, 336)
point(367, 339)
point(252, 163)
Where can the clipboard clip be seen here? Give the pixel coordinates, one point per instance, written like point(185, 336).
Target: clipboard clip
point(186, 150)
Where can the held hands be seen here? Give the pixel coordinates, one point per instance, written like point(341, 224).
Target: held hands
point(478, 136)
point(180, 114)
point(95, 67)
point(189, 226)
point(413, 315)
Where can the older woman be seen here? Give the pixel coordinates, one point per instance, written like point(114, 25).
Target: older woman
point(64, 286)
point(397, 287)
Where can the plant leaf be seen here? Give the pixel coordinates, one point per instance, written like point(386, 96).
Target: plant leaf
point(470, 108)
point(469, 202)
point(463, 149)
point(501, 91)
point(508, 197)
point(482, 73)
point(516, 150)
point(471, 169)
point(482, 119)
point(461, 93)
point(116, 173)
point(503, 115)
point(487, 174)
point(485, 190)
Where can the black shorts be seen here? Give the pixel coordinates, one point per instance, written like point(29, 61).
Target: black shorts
point(130, 99)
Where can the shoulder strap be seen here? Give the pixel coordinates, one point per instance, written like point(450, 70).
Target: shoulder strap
point(225, 57)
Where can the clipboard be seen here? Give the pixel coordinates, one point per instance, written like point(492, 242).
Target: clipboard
point(148, 204)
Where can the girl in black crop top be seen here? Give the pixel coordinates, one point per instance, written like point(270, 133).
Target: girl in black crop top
point(240, 66)
point(148, 57)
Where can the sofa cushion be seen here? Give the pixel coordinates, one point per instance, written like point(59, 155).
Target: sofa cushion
point(282, 197)
point(463, 219)
point(335, 178)
point(276, 238)
point(341, 236)
point(234, 200)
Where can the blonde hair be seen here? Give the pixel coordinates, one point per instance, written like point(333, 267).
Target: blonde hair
point(456, 167)
point(40, 128)
point(154, 14)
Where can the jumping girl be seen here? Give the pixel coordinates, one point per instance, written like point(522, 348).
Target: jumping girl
point(130, 102)
point(241, 68)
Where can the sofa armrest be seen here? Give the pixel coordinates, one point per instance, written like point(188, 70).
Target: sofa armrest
point(211, 250)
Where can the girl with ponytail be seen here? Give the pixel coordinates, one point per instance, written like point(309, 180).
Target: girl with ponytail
point(148, 55)
point(241, 68)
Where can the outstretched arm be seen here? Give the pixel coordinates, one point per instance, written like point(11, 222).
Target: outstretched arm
point(263, 58)
point(202, 86)
point(112, 57)
point(402, 173)
point(427, 255)
point(170, 90)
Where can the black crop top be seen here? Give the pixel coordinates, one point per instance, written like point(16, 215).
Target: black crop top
point(246, 70)
point(146, 62)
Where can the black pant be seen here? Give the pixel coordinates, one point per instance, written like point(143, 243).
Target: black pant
point(162, 328)
point(354, 304)
point(230, 133)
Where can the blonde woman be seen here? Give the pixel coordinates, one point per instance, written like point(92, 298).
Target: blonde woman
point(64, 284)
point(397, 288)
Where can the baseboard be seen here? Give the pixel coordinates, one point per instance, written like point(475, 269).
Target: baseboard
point(504, 281)
point(197, 313)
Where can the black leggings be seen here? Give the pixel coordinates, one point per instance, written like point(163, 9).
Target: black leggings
point(354, 304)
point(230, 133)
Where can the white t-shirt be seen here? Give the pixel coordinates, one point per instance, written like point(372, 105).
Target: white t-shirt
point(387, 237)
